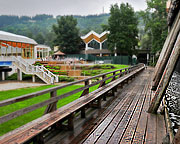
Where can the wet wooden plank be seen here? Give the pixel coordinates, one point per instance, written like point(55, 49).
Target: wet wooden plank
point(129, 133)
point(141, 126)
point(118, 133)
point(121, 96)
point(121, 108)
point(151, 130)
point(161, 130)
point(140, 133)
point(111, 128)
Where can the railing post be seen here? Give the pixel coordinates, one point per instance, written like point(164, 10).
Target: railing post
point(53, 106)
point(120, 73)
point(102, 84)
point(115, 88)
point(57, 79)
point(71, 122)
point(86, 91)
point(43, 75)
point(52, 80)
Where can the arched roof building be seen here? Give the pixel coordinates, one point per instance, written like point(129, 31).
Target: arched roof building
point(96, 43)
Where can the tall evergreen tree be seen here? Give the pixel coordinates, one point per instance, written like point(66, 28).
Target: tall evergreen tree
point(123, 29)
point(67, 35)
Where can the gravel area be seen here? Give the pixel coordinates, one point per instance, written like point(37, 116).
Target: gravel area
point(10, 85)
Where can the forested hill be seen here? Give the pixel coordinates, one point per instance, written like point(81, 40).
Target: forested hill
point(39, 27)
point(43, 23)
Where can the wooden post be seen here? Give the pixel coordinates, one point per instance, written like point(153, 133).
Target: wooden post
point(39, 139)
point(99, 102)
point(165, 79)
point(71, 122)
point(86, 91)
point(103, 84)
point(53, 106)
point(120, 73)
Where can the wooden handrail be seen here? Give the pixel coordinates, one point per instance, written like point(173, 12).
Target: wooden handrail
point(54, 99)
point(32, 95)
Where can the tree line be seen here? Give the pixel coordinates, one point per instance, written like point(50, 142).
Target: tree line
point(129, 30)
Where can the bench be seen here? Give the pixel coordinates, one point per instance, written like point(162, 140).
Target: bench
point(34, 130)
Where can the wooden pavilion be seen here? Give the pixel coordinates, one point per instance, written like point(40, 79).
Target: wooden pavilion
point(16, 45)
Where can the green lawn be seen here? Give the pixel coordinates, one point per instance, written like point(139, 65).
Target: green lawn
point(19, 121)
point(93, 71)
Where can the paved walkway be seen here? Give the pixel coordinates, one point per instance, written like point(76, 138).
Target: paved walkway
point(10, 85)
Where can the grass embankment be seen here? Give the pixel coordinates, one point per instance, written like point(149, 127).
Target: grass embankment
point(19, 121)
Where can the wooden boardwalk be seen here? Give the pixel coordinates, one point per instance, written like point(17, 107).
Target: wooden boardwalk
point(126, 120)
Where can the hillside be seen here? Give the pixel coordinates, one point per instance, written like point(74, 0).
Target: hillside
point(39, 27)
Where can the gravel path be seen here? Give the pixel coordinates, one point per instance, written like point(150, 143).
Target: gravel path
point(10, 85)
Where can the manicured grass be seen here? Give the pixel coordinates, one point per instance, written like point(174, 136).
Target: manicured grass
point(19, 121)
point(93, 71)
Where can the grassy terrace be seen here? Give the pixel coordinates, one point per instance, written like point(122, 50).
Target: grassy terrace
point(19, 121)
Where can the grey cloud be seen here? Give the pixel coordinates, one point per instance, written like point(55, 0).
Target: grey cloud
point(62, 7)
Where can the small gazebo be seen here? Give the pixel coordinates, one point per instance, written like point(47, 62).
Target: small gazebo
point(58, 54)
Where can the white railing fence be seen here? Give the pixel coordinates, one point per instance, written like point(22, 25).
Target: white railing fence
point(39, 71)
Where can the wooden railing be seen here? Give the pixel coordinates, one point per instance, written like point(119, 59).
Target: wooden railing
point(33, 131)
point(53, 92)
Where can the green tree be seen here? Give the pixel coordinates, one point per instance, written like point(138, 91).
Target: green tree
point(122, 25)
point(67, 35)
point(40, 38)
point(155, 18)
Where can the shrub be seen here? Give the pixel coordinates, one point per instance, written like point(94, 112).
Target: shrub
point(51, 70)
point(27, 76)
point(57, 67)
point(37, 64)
point(66, 78)
point(47, 66)
point(24, 77)
point(62, 73)
point(12, 77)
point(55, 72)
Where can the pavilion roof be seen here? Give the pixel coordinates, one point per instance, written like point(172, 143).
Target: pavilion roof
point(59, 53)
point(6, 36)
point(93, 35)
point(43, 46)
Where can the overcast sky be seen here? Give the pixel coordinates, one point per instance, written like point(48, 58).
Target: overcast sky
point(62, 7)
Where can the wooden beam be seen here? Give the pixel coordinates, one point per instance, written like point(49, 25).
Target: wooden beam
point(165, 53)
point(165, 78)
